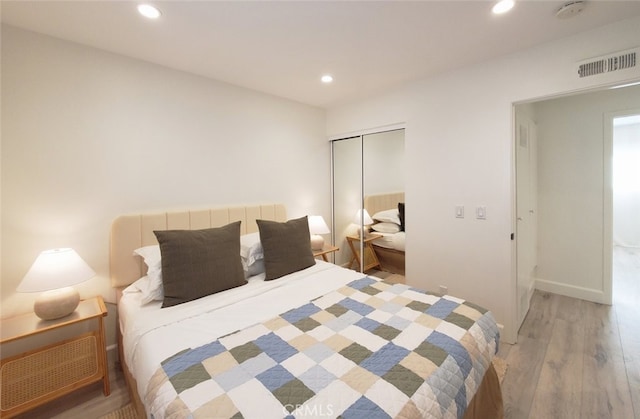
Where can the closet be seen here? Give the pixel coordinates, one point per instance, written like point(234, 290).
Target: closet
point(365, 166)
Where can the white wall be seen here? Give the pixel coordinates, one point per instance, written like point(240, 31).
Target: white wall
point(458, 143)
point(88, 135)
point(571, 192)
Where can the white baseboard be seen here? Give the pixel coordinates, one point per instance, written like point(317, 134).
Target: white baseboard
point(588, 294)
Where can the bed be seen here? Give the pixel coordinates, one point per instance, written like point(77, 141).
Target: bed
point(390, 248)
point(318, 341)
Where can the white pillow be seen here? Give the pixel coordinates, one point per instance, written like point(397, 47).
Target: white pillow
point(150, 285)
point(385, 227)
point(251, 248)
point(151, 256)
point(388, 216)
point(256, 268)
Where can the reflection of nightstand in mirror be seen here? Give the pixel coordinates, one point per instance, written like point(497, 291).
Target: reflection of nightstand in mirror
point(370, 259)
point(325, 251)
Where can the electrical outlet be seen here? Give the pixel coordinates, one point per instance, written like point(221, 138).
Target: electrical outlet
point(459, 211)
point(443, 289)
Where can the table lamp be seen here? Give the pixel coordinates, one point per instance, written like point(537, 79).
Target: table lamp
point(55, 272)
point(362, 220)
point(317, 226)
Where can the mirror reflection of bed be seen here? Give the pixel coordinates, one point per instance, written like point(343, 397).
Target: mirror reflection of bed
point(387, 212)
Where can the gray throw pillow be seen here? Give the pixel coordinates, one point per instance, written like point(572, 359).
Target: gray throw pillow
point(286, 246)
point(197, 263)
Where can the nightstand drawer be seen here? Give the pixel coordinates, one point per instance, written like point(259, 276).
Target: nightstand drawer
point(49, 372)
point(41, 373)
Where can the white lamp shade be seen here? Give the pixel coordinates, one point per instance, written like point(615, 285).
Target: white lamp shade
point(317, 225)
point(362, 218)
point(56, 268)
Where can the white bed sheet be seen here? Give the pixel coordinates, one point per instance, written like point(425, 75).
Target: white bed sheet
point(394, 241)
point(151, 334)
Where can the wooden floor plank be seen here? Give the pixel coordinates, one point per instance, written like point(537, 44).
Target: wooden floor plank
point(538, 323)
point(629, 336)
point(524, 361)
point(559, 390)
point(605, 387)
point(626, 294)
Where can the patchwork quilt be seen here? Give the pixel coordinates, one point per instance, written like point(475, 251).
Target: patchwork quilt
point(367, 350)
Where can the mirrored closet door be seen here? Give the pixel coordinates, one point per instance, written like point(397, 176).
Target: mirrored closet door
point(368, 198)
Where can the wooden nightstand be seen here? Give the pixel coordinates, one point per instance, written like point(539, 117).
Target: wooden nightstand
point(325, 251)
point(32, 378)
point(370, 258)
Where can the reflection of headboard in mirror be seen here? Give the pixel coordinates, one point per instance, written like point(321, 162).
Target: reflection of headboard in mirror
point(129, 232)
point(381, 202)
point(391, 260)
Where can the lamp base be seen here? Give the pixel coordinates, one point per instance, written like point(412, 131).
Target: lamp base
point(317, 242)
point(363, 232)
point(55, 304)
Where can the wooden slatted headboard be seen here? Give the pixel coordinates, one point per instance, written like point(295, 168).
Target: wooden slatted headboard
point(129, 232)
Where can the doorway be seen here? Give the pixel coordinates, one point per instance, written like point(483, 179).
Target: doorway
point(573, 254)
point(625, 200)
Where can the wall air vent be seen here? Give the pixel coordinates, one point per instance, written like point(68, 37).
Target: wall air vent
point(609, 63)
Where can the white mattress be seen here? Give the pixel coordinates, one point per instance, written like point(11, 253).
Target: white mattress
point(394, 241)
point(151, 334)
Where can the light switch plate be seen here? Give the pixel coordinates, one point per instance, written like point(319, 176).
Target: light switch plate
point(481, 213)
point(459, 211)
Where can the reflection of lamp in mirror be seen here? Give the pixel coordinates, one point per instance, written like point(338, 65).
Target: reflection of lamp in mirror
point(54, 272)
point(362, 220)
point(317, 226)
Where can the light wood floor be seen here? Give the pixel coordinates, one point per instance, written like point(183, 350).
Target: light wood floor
point(573, 359)
point(576, 359)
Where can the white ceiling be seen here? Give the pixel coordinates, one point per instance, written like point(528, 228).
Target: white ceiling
point(283, 48)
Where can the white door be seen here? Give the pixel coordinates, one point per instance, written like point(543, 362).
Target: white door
point(526, 210)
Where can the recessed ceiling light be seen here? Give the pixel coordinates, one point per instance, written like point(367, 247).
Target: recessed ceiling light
point(503, 6)
point(327, 78)
point(149, 11)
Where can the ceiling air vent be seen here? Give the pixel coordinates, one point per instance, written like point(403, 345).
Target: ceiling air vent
point(606, 64)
